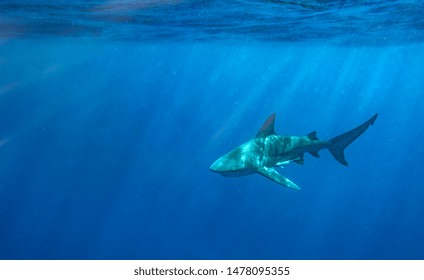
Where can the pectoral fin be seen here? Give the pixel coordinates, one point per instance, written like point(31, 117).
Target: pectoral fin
point(272, 174)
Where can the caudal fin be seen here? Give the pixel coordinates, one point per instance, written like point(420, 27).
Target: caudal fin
point(338, 144)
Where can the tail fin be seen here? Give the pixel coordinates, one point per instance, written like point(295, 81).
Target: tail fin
point(339, 143)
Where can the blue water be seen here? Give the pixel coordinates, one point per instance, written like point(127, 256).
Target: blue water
point(108, 126)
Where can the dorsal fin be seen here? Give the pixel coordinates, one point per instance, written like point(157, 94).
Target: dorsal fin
point(267, 128)
point(313, 136)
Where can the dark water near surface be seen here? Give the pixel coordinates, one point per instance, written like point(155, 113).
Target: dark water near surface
point(340, 22)
point(107, 132)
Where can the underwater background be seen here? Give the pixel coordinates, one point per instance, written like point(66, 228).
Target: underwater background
point(111, 113)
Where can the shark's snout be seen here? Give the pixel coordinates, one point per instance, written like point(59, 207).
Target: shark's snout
point(223, 165)
point(216, 166)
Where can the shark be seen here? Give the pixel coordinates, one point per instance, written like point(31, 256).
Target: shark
point(269, 150)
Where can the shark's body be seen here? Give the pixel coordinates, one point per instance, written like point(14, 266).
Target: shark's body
point(268, 150)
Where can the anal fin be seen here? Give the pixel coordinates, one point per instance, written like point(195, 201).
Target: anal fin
point(272, 174)
point(315, 154)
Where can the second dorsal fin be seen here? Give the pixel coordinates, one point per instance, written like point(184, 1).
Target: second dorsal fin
point(313, 136)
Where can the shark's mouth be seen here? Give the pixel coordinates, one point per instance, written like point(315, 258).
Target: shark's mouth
point(234, 173)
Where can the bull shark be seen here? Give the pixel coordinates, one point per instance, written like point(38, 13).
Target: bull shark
point(269, 150)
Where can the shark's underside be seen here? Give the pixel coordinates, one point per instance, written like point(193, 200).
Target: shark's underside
point(268, 150)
